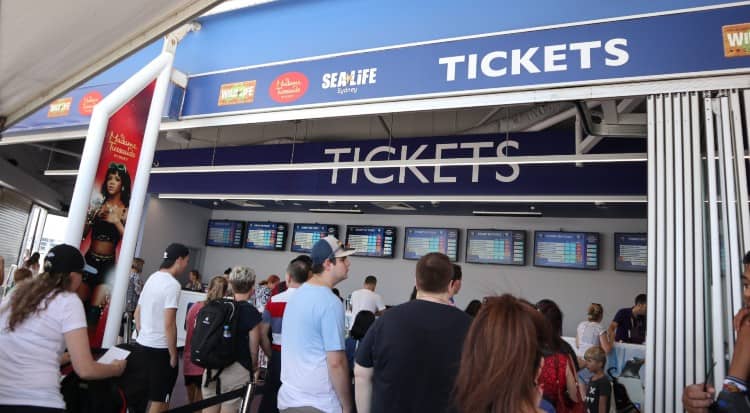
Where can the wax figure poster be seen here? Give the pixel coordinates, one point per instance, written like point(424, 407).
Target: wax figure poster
point(107, 214)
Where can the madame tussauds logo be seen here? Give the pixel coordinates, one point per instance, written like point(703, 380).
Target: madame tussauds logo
point(288, 87)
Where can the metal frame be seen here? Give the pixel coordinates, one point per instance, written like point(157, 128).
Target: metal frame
point(652, 251)
point(679, 251)
point(658, 308)
point(671, 246)
point(699, 231)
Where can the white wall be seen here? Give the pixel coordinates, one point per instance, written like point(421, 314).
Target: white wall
point(573, 290)
point(170, 221)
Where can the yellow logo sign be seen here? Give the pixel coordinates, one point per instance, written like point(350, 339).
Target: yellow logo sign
point(59, 107)
point(736, 40)
point(236, 93)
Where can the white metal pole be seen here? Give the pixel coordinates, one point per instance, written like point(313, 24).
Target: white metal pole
point(739, 151)
point(92, 149)
point(679, 251)
point(689, 234)
point(669, 311)
point(140, 185)
point(717, 315)
point(699, 266)
point(652, 235)
point(661, 294)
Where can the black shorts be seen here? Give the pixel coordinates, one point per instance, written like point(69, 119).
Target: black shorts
point(196, 380)
point(160, 376)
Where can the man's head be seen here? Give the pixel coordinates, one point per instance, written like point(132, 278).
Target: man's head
point(371, 282)
point(640, 304)
point(175, 259)
point(242, 280)
point(434, 273)
point(455, 286)
point(298, 271)
point(330, 260)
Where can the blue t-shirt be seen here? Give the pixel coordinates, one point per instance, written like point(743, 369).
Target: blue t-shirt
point(313, 326)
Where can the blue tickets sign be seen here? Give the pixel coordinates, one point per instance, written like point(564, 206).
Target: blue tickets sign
point(687, 42)
point(562, 179)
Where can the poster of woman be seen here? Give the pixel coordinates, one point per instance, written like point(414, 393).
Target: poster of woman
point(107, 214)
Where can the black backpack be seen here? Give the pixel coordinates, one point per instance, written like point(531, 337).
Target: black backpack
point(213, 343)
point(622, 401)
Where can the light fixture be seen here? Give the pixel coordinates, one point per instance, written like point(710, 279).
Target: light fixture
point(336, 211)
point(508, 213)
point(406, 163)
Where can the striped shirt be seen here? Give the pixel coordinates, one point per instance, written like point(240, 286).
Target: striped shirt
point(274, 314)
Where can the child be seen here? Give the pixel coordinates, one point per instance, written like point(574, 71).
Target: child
point(599, 389)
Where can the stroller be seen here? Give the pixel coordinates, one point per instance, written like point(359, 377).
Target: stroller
point(623, 404)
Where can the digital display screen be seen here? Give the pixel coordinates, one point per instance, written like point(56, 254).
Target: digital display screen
point(577, 250)
point(306, 235)
point(223, 233)
point(631, 252)
point(266, 235)
point(421, 241)
point(371, 241)
point(492, 246)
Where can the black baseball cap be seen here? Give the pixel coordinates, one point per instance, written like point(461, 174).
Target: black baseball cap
point(66, 258)
point(174, 251)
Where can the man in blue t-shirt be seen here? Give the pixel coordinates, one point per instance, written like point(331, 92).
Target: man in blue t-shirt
point(314, 370)
point(629, 324)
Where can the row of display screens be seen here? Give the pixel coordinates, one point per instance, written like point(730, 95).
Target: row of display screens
point(578, 250)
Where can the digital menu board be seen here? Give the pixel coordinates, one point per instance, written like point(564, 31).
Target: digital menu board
point(631, 252)
point(493, 246)
point(578, 250)
point(421, 241)
point(266, 235)
point(371, 241)
point(225, 233)
point(306, 235)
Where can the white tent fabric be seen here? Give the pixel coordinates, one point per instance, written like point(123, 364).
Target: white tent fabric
point(50, 47)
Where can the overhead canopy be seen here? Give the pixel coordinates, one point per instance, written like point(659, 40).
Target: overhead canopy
point(48, 49)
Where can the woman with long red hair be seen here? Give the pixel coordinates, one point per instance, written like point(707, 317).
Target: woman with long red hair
point(502, 358)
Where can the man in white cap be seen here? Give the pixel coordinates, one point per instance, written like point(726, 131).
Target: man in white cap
point(314, 370)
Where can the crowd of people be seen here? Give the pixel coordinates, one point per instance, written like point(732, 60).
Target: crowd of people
point(502, 354)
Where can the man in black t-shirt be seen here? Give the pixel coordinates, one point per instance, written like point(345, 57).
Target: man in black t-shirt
point(409, 358)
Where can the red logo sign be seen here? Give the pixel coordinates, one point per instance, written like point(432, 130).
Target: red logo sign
point(88, 101)
point(288, 87)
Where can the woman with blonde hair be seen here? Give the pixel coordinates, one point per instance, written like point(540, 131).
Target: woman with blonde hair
point(591, 333)
point(502, 359)
point(43, 317)
point(193, 375)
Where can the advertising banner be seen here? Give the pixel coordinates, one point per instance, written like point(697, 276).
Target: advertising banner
point(107, 214)
point(701, 42)
point(625, 178)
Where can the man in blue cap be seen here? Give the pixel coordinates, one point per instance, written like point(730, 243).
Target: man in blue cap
point(314, 370)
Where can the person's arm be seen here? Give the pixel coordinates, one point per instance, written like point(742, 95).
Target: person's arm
point(605, 341)
point(84, 365)
point(265, 342)
point(571, 384)
point(612, 330)
point(740, 366)
point(363, 387)
point(170, 329)
point(137, 318)
point(338, 371)
point(696, 398)
point(603, 403)
point(254, 346)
